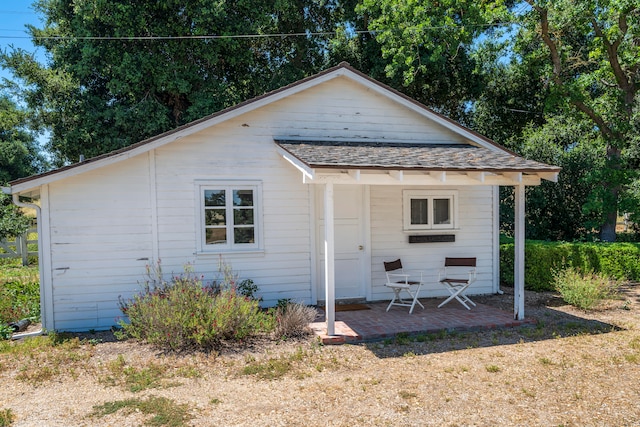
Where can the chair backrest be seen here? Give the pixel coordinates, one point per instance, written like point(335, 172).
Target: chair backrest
point(393, 265)
point(459, 262)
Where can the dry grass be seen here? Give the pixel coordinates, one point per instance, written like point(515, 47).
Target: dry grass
point(574, 369)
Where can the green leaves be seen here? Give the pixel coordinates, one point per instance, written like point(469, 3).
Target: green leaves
point(100, 93)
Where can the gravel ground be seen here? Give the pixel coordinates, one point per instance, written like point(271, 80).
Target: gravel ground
point(572, 369)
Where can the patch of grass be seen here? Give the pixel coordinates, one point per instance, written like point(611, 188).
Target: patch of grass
point(43, 358)
point(407, 394)
point(7, 417)
point(37, 374)
point(19, 292)
point(189, 372)
point(166, 412)
point(546, 361)
point(276, 367)
point(136, 379)
point(492, 368)
point(403, 338)
point(528, 393)
point(144, 378)
point(269, 369)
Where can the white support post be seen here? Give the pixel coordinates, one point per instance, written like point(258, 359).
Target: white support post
point(519, 232)
point(329, 260)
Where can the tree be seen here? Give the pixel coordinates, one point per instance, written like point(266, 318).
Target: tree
point(554, 211)
point(19, 157)
point(593, 65)
point(583, 57)
point(428, 48)
point(111, 82)
point(19, 151)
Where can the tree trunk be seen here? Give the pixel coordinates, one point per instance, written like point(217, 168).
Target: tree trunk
point(610, 200)
point(608, 229)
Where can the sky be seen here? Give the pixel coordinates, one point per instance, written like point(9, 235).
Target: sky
point(14, 15)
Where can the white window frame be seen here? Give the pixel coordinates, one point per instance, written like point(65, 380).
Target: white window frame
point(228, 187)
point(430, 195)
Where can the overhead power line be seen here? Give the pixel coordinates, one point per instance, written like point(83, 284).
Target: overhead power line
point(221, 36)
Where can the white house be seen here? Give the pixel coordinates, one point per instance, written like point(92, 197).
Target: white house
point(259, 182)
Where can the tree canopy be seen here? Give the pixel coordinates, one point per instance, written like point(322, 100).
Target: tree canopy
point(555, 81)
point(123, 71)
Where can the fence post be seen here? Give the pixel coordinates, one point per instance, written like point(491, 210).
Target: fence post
point(23, 247)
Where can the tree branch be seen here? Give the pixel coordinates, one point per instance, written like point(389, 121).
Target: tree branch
point(546, 37)
point(557, 69)
point(625, 84)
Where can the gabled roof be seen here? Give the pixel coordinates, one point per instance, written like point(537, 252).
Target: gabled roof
point(343, 69)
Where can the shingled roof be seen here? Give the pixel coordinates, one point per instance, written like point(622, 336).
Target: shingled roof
point(409, 156)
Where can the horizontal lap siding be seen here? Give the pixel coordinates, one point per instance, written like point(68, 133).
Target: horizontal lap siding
point(349, 111)
point(100, 227)
point(473, 239)
point(227, 152)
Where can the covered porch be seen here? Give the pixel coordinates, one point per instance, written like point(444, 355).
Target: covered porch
point(332, 164)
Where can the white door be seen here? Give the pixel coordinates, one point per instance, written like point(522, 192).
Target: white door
point(349, 242)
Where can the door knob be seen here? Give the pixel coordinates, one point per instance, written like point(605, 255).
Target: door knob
point(360, 247)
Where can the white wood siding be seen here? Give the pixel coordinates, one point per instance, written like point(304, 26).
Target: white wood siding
point(474, 238)
point(107, 224)
point(100, 232)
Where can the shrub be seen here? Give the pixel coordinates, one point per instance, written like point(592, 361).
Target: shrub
point(292, 320)
point(584, 291)
point(5, 331)
point(620, 261)
point(184, 314)
point(19, 299)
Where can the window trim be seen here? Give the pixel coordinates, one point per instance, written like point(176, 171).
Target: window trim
point(429, 195)
point(228, 186)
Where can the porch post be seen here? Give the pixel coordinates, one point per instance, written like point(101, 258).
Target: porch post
point(518, 276)
point(329, 260)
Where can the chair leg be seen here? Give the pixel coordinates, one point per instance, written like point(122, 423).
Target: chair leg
point(415, 300)
point(457, 292)
point(396, 296)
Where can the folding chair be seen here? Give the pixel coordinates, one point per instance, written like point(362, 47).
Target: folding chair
point(399, 281)
point(457, 275)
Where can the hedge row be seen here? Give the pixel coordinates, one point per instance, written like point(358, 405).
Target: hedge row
point(617, 260)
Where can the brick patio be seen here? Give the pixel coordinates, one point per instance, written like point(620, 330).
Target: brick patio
point(376, 323)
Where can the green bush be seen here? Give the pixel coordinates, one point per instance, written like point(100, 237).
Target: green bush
point(19, 292)
point(184, 314)
point(620, 261)
point(584, 291)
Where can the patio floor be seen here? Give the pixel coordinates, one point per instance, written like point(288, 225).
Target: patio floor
point(377, 324)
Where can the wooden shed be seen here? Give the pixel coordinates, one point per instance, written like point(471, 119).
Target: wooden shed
point(306, 190)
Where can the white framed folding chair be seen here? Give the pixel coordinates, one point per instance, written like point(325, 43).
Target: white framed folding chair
point(400, 281)
point(457, 275)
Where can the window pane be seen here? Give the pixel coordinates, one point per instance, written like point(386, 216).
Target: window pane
point(242, 197)
point(214, 198)
point(243, 235)
point(243, 216)
point(419, 211)
point(441, 211)
point(216, 236)
point(215, 217)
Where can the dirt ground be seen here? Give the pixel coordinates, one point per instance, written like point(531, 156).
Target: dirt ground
point(571, 369)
